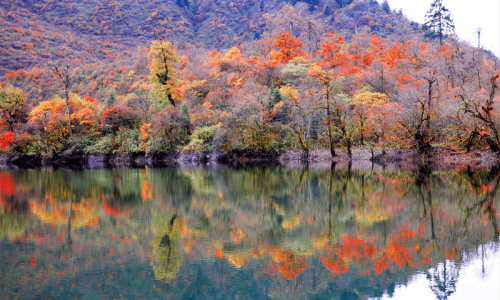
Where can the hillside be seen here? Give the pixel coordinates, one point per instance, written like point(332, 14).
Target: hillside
point(246, 76)
point(94, 31)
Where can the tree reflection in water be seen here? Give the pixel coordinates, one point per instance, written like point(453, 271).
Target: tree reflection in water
point(338, 232)
point(443, 278)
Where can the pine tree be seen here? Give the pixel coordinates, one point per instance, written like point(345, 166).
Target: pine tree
point(111, 99)
point(386, 7)
point(274, 99)
point(438, 22)
point(185, 118)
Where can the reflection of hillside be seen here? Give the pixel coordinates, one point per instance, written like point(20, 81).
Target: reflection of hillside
point(302, 232)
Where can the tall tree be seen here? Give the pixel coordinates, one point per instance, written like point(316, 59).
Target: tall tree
point(64, 75)
point(438, 22)
point(386, 7)
point(165, 84)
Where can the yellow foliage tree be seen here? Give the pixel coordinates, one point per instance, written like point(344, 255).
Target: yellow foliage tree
point(166, 86)
point(365, 102)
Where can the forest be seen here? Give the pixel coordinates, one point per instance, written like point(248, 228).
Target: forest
point(197, 76)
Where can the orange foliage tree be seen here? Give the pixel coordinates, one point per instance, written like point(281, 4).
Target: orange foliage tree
point(288, 47)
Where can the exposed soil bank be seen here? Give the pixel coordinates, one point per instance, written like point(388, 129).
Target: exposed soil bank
point(439, 158)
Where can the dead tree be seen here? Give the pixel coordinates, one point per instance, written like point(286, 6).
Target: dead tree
point(64, 76)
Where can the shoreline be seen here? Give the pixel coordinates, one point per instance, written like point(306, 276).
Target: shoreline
point(440, 158)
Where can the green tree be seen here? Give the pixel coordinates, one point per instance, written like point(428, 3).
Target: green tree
point(185, 118)
point(12, 104)
point(438, 22)
point(111, 99)
point(274, 99)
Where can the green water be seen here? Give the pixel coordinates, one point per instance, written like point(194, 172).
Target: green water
point(250, 233)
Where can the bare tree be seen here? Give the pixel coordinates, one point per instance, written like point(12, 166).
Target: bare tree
point(65, 77)
point(478, 30)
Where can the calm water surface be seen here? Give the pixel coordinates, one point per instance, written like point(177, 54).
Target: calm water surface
point(251, 233)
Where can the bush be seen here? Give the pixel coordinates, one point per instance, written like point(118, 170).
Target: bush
point(103, 145)
point(201, 139)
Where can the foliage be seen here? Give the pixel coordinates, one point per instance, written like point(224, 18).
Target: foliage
point(275, 80)
point(201, 139)
point(12, 106)
point(118, 116)
point(165, 84)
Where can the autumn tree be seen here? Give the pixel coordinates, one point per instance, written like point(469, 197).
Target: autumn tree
point(329, 88)
point(480, 110)
point(365, 104)
point(65, 77)
point(140, 100)
point(288, 19)
point(162, 56)
point(12, 105)
point(48, 123)
point(287, 48)
point(118, 116)
point(331, 54)
point(168, 132)
point(304, 107)
point(345, 126)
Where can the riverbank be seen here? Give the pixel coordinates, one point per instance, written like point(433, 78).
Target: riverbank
point(439, 157)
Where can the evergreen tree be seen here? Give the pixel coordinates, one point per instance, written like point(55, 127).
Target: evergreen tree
point(343, 3)
point(283, 111)
point(386, 7)
point(111, 99)
point(185, 118)
point(438, 22)
point(315, 125)
point(327, 11)
point(274, 99)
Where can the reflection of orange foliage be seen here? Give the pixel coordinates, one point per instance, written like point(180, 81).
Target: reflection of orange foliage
point(92, 222)
point(401, 248)
point(484, 188)
point(114, 211)
point(349, 249)
point(188, 245)
point(219, 253)
point(146, 191)
point(237, 235)
point(286, 263)
point(33, 262)
point(52, 212)
point(335, 264)
point(21, 239)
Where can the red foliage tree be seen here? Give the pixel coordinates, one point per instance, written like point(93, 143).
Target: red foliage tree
point(118, 116)
point(288, 48)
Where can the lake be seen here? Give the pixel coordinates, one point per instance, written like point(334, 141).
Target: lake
point(249, 233)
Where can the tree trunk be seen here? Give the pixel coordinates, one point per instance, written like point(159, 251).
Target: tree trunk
point(329, 119)
point(348, 146)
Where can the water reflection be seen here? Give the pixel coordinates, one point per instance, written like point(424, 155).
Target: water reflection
point(255, 232)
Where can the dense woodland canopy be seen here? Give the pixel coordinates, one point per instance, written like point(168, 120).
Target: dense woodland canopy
point(144, 76)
